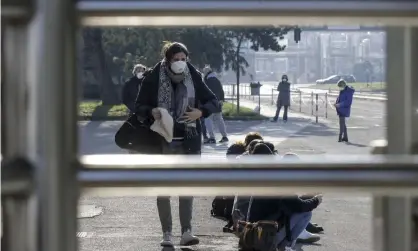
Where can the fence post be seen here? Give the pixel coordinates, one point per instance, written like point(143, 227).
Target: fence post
point(312, 103)
point(326, 105)
point(300, 101)
point(316, 98)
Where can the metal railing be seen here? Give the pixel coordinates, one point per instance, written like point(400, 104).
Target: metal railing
point(49, 143)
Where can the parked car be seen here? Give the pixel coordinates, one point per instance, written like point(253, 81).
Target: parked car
point(335, 78)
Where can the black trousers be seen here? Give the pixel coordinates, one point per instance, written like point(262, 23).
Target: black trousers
point(286, 107)
point(343, 128)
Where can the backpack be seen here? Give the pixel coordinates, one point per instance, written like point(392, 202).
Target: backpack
point(260, 236)
point(222, 209)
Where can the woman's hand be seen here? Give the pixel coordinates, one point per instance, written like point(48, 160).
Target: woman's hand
point(156, 113)
point(192, 115)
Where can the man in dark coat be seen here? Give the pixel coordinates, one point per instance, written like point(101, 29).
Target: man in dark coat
point(283, 99)
point(131, 87)
point(343, 107)
point(216, 87)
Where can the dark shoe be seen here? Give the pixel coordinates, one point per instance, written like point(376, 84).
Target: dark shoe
point(205, 138)
point(340, 140)
point(314, 228)
point(210, 141)
point(344, 140)
point(273, 120)
point(223, 140)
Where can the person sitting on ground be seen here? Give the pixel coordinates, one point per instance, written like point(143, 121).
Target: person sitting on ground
point(309, 234)
point(296, 210)
point(251, 136)
point(235, 149)
point(253, 143)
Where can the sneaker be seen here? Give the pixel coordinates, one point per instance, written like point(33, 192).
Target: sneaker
point(273, 120)
point(166, 242)
point(210, 141)
point(188, 239)
point(223, 140)
point(307, 238)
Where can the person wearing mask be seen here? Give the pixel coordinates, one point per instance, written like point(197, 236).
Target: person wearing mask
point(343, 107)
point(175, 85)
point(215, 86)
point(283, 99)
point(131, 87)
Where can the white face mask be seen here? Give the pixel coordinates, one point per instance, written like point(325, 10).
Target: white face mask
point(178, 67)
point(139, 75)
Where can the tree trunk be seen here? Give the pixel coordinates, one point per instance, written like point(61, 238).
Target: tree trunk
point(94, 56)
point(238, 69)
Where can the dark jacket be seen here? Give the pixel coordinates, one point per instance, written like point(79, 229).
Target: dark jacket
point(273, 208)
point(215, 85)
point(284, 94)
point(345, 100)
point(130, 92)
point(147, 98)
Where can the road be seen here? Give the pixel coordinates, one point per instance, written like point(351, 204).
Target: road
point(131, 223)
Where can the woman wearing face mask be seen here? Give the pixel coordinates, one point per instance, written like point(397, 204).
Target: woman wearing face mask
point(176, 85)
point(131, 87)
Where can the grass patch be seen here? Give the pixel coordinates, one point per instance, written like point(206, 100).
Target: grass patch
point(94, 110)
point(376, 87)
point(229, 111)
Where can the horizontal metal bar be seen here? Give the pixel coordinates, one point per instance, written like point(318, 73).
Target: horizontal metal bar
point(248, 13)
point(263, 175)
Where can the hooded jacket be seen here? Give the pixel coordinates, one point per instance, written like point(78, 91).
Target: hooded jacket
point(345, 99)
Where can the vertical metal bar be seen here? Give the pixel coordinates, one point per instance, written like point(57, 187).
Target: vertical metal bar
point(326, 105)
point(316, 108)
point(272, 96)
point(300, 101)
point(14, 90)
point(393, 215)
point(312, 103)
point(55, 100)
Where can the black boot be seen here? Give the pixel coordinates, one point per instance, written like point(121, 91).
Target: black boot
point(314, 229)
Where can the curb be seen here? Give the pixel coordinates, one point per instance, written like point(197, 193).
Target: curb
point(363, 98)
point(123, 118)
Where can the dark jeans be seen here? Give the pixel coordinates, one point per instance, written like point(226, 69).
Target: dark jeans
point(286, 107)
point(343, 128)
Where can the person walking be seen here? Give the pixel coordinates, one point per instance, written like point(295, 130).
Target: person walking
point(283, 99)
point(131, 87)
point(175, 85)
point(343, 107)
point(215, 86)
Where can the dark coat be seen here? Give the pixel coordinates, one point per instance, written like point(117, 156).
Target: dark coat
point(147, 98)
point(263, 208)
point(345, 99)
point(284, 94)
point(215, 86)
point(130, 92)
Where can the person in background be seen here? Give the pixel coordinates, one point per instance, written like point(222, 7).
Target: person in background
point(283, 99)
point(215, 86)
point(131, 87)
point(175, 85)
point(343, 107)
